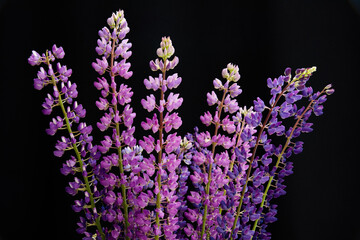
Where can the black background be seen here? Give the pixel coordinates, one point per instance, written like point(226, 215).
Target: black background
point(262, 37)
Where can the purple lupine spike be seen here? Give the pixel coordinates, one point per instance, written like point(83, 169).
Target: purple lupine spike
point(217, 166)
point(275, 158)
point(167, 145)
point(85, 155)
point(118, 119)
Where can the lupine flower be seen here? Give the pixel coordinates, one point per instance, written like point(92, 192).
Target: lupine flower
point(231, 73)
point(35, 59)
point(211, 194)
point(263, 172)
point(101, 65)
point(79, 139)
point(212, 98)
point(58, 52)
point(259, 105)
point(166, 184)
point(173, 102)
point(149, 103)
point(171, 121)
point(112, 46)
point(204, 139)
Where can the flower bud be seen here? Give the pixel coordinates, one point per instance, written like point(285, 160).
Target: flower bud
point(111, 22)
point(160, 52)
point(166, 49)
point(231, 73)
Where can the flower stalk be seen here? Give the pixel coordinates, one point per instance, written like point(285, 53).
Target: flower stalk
point(160, 153)
point(118, 133)
point(213, 146)
point(113, 45)
point(76, 150)
point(288, 141)
point(263, 127)
point(168, 146)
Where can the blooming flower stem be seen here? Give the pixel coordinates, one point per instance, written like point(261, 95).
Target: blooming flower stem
point(207, 188)
point(253, 155)
point(257, 143)
point(77, 153)
point(280, 156)
point(232, 162)
point(121, 167)
point(161, 126)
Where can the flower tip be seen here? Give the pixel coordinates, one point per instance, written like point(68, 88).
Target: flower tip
point(309, 71)
point(328, 86)
point(110, 21)
point(329, 91)
point(166, 49)
point(231, 72)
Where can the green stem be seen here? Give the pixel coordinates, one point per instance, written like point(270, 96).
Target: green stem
point(237, 143)
point(123, 187)
point(120, 160)
point(161, 126)
point(306, 73)
point(232, 162)
point(238, 211)
point(207, 187)
point(77, 153)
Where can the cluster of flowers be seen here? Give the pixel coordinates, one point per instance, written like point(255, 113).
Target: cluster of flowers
point(215, 183)
point(83, 162)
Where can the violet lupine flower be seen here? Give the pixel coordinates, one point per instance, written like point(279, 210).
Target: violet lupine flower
point(85, 156)
point(282, 167)
point(117, 120)
point(255, 209)
point(210, 167)
point(166, 194)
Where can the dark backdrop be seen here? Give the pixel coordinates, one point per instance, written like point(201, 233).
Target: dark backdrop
point(262, 37)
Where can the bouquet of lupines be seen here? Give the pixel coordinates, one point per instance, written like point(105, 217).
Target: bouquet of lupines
point(218, 182)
